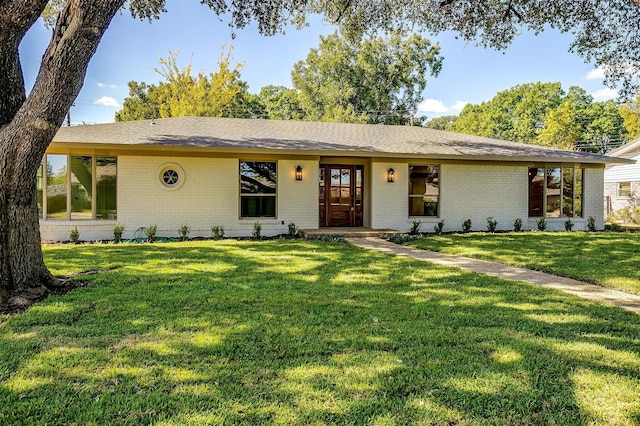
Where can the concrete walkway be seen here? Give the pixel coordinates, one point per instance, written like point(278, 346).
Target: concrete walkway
point(594, 292)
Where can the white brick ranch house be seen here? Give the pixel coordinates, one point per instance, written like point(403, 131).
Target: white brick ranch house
point(204, 172)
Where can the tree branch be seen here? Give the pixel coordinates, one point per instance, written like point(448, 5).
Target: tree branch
point(15, 21)
point(343, 11)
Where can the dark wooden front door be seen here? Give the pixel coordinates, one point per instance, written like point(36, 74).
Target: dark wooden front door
point(341, 195)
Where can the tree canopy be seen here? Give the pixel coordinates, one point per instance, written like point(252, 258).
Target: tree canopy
point(543, 114)
point(182, 94)
point(630, 112)
point(281, 103)
point(377, 79)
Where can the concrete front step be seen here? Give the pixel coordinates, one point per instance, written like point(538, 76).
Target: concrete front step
point(346, 232)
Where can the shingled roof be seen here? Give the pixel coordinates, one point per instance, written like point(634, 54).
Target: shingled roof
point(310, 138)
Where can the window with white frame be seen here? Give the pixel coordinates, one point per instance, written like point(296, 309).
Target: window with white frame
point(624, 189)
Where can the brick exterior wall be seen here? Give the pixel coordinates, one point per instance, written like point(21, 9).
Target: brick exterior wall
point(473, 191)
point(210, 196)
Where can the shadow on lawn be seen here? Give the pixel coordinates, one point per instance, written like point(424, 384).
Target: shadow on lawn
point(604, 258)
point(307, 332)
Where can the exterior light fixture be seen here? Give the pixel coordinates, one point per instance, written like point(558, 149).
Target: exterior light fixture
point(391, 175)
point(299, 172)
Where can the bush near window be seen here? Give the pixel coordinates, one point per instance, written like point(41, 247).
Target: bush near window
point(151, 232)
point(74, 235)
point(438, 228)
point(118, 229)
point(630, 214)
point(183, 232)
point(517, 225)
point(492, 224)
point(217, 232)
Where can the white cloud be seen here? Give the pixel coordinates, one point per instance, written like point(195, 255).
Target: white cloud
point(432, 105)
point(595, 74)
point(110, 86)
point(438, 107)
point(107, 101)
point(458, 105)
point(604, 94)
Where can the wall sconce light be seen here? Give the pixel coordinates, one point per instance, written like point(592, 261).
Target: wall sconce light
point(299, 172)
point(391, 175)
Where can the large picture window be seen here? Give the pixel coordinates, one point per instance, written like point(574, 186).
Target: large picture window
point(555, 192)
point(258, 189)
point(424, 190)
point(72, 187)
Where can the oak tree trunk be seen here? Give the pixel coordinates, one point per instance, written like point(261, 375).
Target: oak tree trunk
point(27, 126)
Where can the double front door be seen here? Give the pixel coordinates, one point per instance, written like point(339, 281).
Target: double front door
point(341, 195)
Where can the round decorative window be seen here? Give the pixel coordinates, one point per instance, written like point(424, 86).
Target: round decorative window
point(171, 176)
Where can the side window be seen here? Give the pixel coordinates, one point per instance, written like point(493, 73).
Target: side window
point(258, 188)
point(555, 191)
point(624, 189)
point(77, 187)
point(424, 190)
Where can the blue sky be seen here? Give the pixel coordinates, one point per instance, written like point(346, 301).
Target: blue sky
point(130, 49)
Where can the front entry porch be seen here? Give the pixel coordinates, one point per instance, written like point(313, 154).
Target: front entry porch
point(346, 232)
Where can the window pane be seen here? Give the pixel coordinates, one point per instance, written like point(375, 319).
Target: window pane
point(536, 188)
point(335, 177)
point(258, 206)
point(568, 209)
point(424, 190)
point(345, 195)
point(56, 186)
point(106, 187)
point(624, 189)
point(257, 177)
point(39, 190)
point(81, 176)
point(578, 191)
point(346, 177)
point(554, 192)
point(334, 195)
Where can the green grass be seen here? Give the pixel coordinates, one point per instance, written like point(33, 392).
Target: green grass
point(608, 259)
point(302, 332)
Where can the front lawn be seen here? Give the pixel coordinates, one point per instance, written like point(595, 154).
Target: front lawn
point(605, 258)
point(303, 332)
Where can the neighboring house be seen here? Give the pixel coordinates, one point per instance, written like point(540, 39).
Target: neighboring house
point(622, 180)
point(204, 172)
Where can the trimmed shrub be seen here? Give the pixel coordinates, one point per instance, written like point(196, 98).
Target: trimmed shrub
point(517, 225)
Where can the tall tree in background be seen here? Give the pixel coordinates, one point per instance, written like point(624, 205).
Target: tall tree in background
point(375, 80)
point(183, 94)
point(580, 123)
point(281, 103)
point(514, 114)
point(244, 104)
point(630, 112)
point(143, 103)
point(542, 114)
point(605, 33)
point(441, 123)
